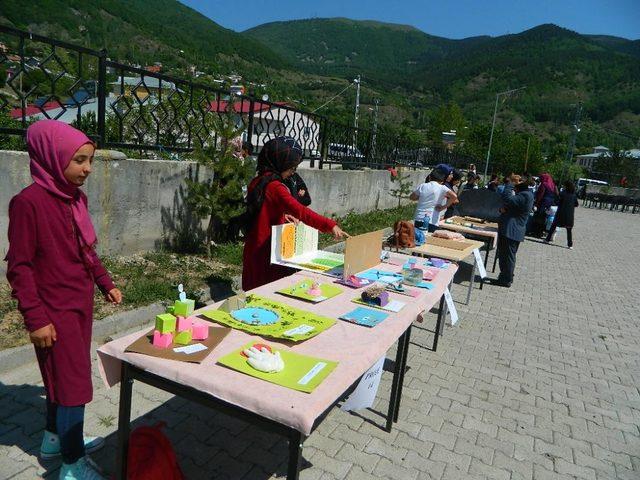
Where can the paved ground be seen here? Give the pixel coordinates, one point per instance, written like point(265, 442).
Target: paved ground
point(537, 382)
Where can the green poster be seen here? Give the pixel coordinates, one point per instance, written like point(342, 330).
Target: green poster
point(302, 289)
point(282, 320)
point(300, 372)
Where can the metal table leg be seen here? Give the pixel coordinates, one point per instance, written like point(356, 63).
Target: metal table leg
point(395, 385)
point(486, 257)
point(124, 423)
point(495, 259)
point(439, 323)
point(403, 369)
point(471, 280)
point(295, 455)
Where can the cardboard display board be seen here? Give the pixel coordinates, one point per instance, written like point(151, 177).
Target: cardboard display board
point(143, 345)
point(301, 372)
point(362, 252)
point(296, 246)
point(444, 242)
point(292, 324)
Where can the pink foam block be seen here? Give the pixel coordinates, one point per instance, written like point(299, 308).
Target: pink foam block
point(162, 340)
point(200, 331)
point(184, 323)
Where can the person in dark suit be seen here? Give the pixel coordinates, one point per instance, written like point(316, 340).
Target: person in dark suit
point(511, 228)
point(298, 189)
point(564, 216)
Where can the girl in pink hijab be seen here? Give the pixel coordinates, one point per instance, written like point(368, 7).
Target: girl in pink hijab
point(52, 268)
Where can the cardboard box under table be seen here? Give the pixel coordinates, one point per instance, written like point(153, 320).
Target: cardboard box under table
point(290, 413)
point(453, 250)
point(486, 232)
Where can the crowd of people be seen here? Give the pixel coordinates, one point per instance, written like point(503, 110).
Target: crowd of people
point(531, 206)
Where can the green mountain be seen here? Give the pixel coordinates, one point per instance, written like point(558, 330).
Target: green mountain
point(140, 31)
point(559, 67)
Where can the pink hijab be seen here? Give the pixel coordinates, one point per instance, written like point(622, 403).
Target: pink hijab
point(51, 146)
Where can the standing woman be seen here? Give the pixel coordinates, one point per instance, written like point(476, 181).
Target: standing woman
point(546, 196)
point(269, 203)
point(52, 268)
point(565, 214)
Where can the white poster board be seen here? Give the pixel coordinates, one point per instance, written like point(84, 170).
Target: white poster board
point(365, 393)
point(452, 307)
point(479, 263)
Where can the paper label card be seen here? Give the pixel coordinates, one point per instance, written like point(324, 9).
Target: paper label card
point(365, 393)
point(452, 307)
point(479, 263)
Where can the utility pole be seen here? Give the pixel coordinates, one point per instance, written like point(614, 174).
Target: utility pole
point(493, 125)
point(375, 127)
point(572, 143)
point(526, 158)
point(356, 113)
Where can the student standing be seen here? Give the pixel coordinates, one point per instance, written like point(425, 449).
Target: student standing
point(565, 215)
point(52, 268)
point(270, 203)
point(511, 228)
point(433, 197)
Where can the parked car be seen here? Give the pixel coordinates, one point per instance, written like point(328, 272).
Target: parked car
point(349, 156)
point(581, 185)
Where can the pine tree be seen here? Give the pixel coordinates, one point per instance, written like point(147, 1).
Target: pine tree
point(220, 198)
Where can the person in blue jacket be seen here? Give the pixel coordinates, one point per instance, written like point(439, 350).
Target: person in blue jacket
point(512, 228)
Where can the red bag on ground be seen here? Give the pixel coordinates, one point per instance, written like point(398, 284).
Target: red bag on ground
point(151, 455)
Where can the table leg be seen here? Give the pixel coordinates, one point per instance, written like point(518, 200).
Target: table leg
point(124, 422)
point(295, 455)
point(495, 259)
point(439, 322)
point(471, 280)
point(446, 310)
point(396, 382)
point(403, 369)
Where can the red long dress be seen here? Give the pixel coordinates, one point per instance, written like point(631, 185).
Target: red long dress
point(256, 259)
point(52, 285)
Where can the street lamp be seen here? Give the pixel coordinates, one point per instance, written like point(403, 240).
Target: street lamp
point(493, 124)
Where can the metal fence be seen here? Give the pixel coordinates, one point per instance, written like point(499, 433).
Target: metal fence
point(121, 106)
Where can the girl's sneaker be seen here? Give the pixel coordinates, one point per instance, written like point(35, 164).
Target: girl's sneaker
point(50, 447)
point(83, 469)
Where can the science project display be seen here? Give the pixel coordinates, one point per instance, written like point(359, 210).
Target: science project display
point(268, 318)
point(281, 367)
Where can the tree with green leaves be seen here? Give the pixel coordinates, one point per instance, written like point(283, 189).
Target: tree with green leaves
point(220, 198)
point(403, 182)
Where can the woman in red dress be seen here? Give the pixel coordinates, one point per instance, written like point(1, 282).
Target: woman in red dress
point(270, 203)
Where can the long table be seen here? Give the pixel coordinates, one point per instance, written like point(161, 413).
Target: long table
point(450, 254)
point(294, 415)
point(486, 232)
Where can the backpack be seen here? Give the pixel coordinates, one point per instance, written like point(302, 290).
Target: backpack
point(151, 456)
point(404, 235)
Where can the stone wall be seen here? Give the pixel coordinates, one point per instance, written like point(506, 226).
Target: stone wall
point(138, 204)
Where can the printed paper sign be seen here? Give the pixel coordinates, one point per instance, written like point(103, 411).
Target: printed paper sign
point(452, 307)
point(479, 263)
point(365, 393)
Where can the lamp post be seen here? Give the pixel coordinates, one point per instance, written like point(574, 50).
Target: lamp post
point(493, 124)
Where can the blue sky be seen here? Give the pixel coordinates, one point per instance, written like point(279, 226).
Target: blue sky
point(451, 19)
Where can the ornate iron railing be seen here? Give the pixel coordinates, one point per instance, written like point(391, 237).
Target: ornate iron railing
point(121, 106)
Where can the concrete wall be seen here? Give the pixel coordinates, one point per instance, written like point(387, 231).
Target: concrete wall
point(341, 191)
point(135, 204)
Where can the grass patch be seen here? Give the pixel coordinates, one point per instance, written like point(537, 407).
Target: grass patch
point(143, 279)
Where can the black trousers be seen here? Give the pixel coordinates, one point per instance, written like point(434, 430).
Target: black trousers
point(507, 250)
point(554, 225)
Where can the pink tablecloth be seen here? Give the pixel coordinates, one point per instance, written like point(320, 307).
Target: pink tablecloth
point(355, 347)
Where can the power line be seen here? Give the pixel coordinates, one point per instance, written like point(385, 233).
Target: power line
point(334, 97)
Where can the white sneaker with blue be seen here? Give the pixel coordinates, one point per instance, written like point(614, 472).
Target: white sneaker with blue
point(83, 469)
point(50, 447)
